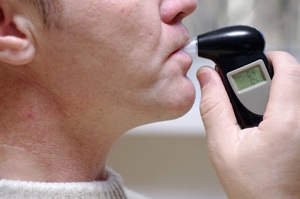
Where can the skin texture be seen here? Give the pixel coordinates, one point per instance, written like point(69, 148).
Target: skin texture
point(261, 162)
point(68, 92)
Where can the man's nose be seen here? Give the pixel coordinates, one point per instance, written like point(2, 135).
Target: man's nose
point(172, 10)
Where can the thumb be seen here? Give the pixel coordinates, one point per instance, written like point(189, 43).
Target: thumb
point(215, 107)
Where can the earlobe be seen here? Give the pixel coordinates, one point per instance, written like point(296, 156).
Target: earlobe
point(15, 47)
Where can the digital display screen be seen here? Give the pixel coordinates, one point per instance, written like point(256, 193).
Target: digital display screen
point(248, 78)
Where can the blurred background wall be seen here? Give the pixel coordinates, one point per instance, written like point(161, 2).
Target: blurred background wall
point(277, 19)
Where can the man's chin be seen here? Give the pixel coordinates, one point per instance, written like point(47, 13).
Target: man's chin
point(176, 110)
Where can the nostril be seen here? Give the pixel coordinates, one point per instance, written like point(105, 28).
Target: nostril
point(181, 15)
point(177, 18)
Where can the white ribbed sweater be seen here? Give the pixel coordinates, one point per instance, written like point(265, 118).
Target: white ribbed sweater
point(112, 188)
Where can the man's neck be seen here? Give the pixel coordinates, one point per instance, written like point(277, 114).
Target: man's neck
point(38, 142)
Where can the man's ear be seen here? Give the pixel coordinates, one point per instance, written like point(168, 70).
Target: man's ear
point(15, 46)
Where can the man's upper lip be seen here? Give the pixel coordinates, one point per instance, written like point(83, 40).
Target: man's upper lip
point(181, 45)
point(183, 41)
point(187, 41)
point(179, 37)
point(180, 42)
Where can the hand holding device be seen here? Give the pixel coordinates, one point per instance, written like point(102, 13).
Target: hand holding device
point(261, 162)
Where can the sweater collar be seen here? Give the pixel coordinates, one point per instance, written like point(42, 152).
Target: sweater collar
point(112, 188)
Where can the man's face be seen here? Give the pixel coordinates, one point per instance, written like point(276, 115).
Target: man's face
point(113, 58)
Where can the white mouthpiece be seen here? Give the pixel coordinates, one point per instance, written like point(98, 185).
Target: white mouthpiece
point(191, 48)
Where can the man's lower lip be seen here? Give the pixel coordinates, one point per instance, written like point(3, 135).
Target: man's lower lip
point(188, 60)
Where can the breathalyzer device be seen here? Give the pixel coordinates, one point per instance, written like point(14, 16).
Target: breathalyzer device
point(238, 52)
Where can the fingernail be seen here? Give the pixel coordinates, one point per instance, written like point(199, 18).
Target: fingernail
point(204, 78)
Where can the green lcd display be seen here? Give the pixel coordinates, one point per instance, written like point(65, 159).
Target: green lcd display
point(248, 78)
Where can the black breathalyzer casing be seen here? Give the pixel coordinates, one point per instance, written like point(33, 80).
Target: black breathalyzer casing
point(230, 48)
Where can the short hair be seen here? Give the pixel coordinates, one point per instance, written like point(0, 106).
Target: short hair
point(49, 10)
